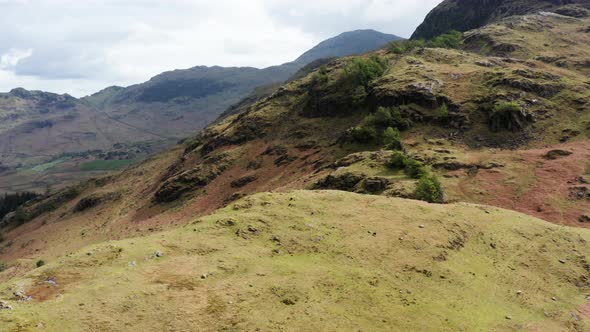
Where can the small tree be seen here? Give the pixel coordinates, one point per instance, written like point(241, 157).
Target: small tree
point(398, 160)
point(429, 189)
point(392, 139)
point(415, 169)
point(40, 263)
point(364, 70)
point(364, 134)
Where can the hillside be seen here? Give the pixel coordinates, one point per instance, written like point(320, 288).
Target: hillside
point(533, 159)
point(300, 210)
point(464, 15)
point(329, 261)
point(48, 140)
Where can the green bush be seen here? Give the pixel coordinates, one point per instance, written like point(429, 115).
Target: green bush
point(387, 117)
point(364, 134)
point(404, 46)
point(443, 111)
point(40, 263)
point(362, 71)
point(429, 189)
point(3, 266)
point(507, 107)
point(415, 169)
point(451, 39)
point(392, 139)
point(398, 160)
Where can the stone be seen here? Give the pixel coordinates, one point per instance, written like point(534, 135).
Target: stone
point(5, 306)
point(509, 317)
point(554, 298)
point(158, 253)
point(422, 226)
point(555, 154)
point(562, 261)
point(519, 292)
point(585, 218)
point(204, 276)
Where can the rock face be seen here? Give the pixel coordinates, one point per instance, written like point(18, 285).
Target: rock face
point(463, 15)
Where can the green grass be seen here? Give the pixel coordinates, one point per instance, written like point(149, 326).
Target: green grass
point(320, 261)
point(106, 165)
point(48, 165)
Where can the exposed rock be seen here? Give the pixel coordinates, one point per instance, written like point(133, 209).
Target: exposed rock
point(375, 185)
point(92, 201)
point(158, 253)
point(239, 183)
point(585, 218)
point(5, 306)
point(198, 177)
point(579, 193)
point(346, 182)
point(555, 154)
point(510, 120)
point(573, 11)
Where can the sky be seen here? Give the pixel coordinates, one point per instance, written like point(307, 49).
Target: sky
point(82, 46)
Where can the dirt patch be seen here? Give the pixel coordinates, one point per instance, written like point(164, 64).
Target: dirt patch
point(549, 194)
point(48, 287)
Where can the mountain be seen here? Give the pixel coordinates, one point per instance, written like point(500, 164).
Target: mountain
point(370, 193)
point(48, 140)
point(183, 101)
point(463, 15)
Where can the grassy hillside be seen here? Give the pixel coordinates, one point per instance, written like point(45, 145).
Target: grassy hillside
point(330, 261)
point(533, 159)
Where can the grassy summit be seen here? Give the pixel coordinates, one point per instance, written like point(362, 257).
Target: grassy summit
point(323, 260)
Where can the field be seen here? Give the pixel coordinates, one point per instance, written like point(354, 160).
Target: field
point(106, 165)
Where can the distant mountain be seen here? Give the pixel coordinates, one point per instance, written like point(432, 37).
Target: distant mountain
point(347, 43)
point(463, 15)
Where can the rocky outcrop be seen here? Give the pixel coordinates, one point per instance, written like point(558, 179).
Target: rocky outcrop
point(192, 179)
point(511, 120)
point(464, 15)
point(94, 200)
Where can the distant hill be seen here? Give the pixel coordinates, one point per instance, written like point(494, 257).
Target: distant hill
point(463, 15)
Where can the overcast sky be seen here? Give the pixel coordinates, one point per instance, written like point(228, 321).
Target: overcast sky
point(82, 46)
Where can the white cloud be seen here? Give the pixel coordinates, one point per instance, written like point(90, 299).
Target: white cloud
point(79, 47)
point(12, 57)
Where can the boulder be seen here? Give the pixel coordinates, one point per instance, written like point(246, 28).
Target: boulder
point(555, 154)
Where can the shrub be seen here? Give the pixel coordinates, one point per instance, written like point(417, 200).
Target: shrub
point(403, 46)
point(392, 139)
point(364, 134)
point(415, 169)
point(451, 39)
point(429, 189)
point(398, 160)
point(40, 263)
point(3, 266)
point(507, 107)
point(362, 71)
